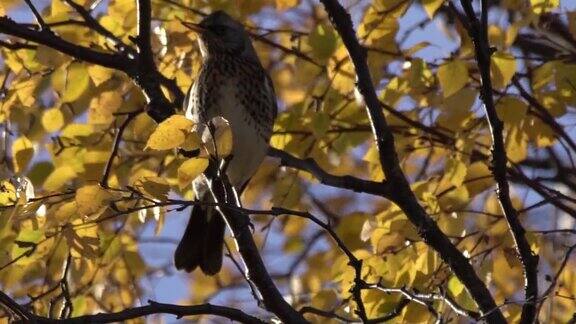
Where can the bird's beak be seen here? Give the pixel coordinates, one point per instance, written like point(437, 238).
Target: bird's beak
point(193, 26)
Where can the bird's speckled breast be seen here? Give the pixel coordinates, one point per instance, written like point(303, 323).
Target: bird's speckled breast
point(242, 94)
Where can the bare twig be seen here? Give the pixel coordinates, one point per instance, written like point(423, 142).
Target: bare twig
point(37, 15)
point(15, 308)
point(115, 147)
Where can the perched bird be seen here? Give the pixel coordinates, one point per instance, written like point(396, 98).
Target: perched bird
point(232, 84)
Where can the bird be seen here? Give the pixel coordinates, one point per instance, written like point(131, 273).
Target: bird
point(232, 84)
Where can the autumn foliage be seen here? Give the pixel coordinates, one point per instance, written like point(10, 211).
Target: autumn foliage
point(422, 163)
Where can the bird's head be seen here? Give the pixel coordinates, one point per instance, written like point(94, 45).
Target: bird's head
point(219, 33)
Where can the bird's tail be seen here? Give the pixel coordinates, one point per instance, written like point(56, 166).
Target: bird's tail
point(202, 242)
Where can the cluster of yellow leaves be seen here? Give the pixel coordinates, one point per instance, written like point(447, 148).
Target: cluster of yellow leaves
point(65, 114)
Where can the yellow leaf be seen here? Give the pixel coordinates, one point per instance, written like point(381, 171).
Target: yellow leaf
point(77, 131)
point(222, 138)
point(516, 142)
point(59, 177)
point(454, 199)
point(190, 169)
point(455, 286)
point(170, 133)
point(91, 200)
point(503, 69)
point(82, 239)
point(478, 178)
point(192, 142)
point(341, 71)
point(552, 103)
point(52, 120)
point(79, 306)
point(99, 74)
point(25, 243)
point(455, 171)
point(431, 6)
point(22, 153)
point(286, 4)
point(456, 109)
point(511, 110)
point(76, 82)
point(7, 193)
point(320, 124)
point(103, 107)
point(155, 187)
point(542, 6)
point(142, 126)
point(453, 76)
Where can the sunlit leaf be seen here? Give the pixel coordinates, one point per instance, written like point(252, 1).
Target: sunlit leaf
point(453, 76)
point(431, 6)
point(52, 119)
point(190, 169)
point(22, 153)
point(503, 69)
point(76, 82)
point(91, 199)
point(170, 134)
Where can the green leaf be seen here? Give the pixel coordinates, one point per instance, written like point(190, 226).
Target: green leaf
point(323, 41)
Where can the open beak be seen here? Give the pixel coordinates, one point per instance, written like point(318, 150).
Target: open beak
point(193, 26)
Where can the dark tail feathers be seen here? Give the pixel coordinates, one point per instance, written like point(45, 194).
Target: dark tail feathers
point(202, 242)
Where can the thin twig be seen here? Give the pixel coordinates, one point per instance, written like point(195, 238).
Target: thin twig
point(115, 147)
point(37, 16)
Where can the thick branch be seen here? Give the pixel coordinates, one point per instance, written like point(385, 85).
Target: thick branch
point(402, 194)
point(346, 182)
point(133, 313)
point(157, 308)
point(147, 76)
point(47, 38)
point(256, 271)
point(478, 30)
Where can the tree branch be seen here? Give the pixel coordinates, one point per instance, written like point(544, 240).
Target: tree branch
point(136, 312)
point(478, 31)
point(115, 146)
point(402, 194)
point(96, 26)
point(345, 182)
point(47, 38)
point(147, 76)
point(239, 224)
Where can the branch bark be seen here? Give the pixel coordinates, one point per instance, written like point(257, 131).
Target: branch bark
point(478, 30)
point(403, 195)
point(256, 272)
point(133, 313)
